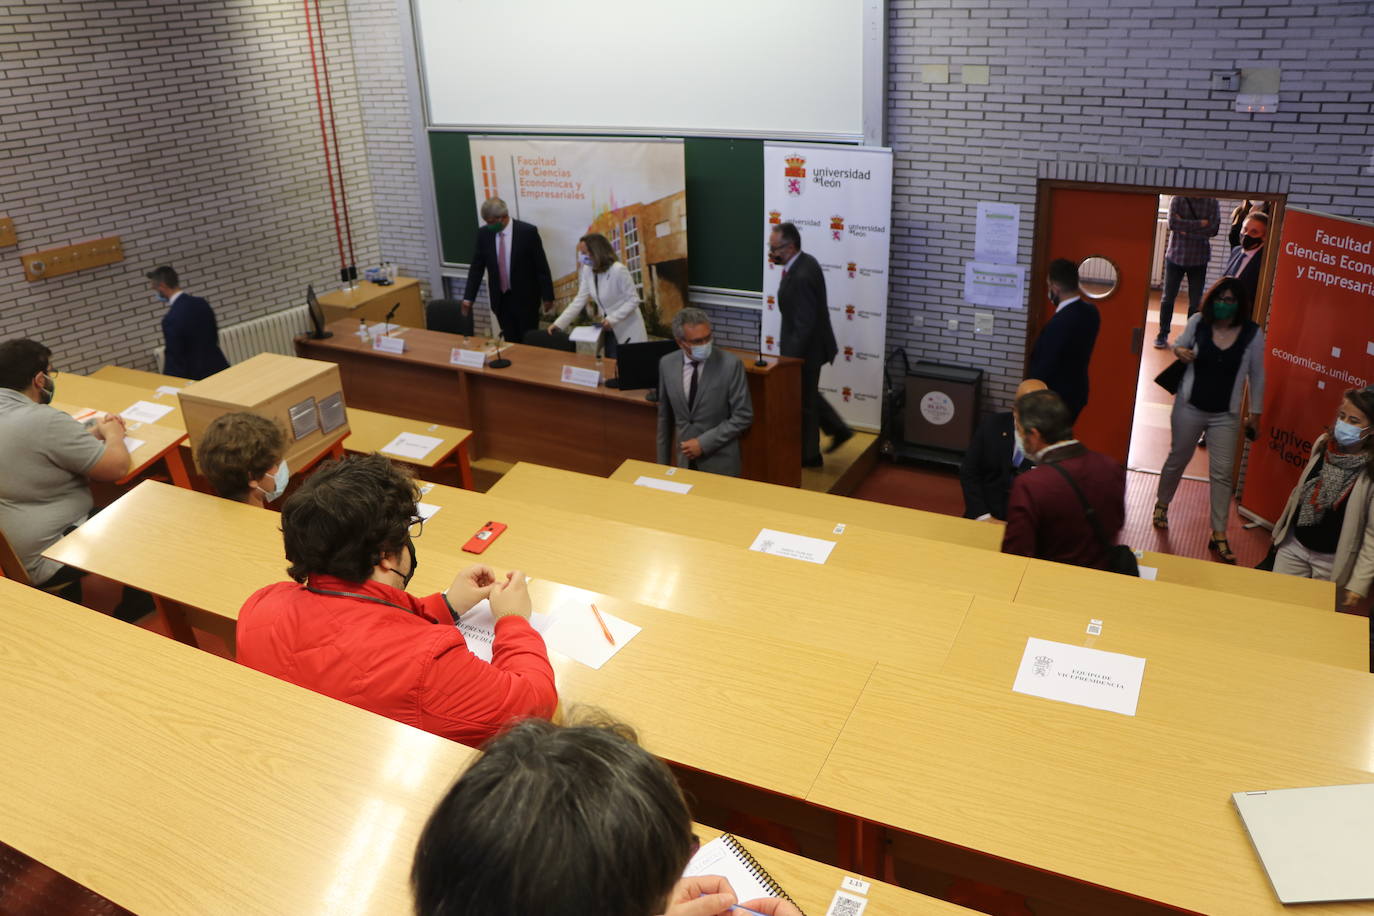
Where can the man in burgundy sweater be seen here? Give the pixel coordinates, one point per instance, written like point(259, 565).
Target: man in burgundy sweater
point(347, 627)
point(1045, 518)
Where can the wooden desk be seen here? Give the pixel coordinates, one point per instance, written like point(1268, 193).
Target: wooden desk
point(873, 616)
point(1241, 580)
point(139, 378)
point(1203, 615)
point(771, 728)
point(116, 397)
point(318, 803)
point(825, 506)
point(159, 443)
point(371, 432)
point(526, 413)
point(371, 302)
point(1320, 710)
point(857, 549)
point(1109, 800)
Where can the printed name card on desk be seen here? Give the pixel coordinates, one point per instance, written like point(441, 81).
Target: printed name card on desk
point(572, 375)
point(411, 445)
point(472, 359)
point(1081, 676)
point(794, 546)
point(672, 486)
point(145, 412)
point(389, 344)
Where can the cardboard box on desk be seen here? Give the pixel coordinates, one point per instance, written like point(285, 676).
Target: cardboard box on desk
point(303, 396)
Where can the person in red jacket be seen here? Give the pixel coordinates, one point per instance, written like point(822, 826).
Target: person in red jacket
point(1045, 517)
point(346, 628)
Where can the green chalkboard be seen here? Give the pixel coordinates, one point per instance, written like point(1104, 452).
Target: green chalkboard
point(725, 221)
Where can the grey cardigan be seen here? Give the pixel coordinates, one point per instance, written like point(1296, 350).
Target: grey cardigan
point(1251, 369)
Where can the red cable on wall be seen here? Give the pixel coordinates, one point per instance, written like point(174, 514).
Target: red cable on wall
point(334, 131)
point(324, 138)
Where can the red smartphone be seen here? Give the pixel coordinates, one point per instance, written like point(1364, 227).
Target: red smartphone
point(484, 536)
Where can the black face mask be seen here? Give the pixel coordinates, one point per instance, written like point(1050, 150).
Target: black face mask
point(414, 565)
point(1250, 242)
point(1054, 298)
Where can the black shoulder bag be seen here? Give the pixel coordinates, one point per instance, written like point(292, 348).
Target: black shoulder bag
point(1120, 558)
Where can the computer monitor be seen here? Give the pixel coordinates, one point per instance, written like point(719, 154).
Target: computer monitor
point(316, 315)
point(637, 363)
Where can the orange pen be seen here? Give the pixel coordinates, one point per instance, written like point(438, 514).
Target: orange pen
point(604, 629)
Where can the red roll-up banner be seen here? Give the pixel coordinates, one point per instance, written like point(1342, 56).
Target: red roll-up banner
point(1320, 342)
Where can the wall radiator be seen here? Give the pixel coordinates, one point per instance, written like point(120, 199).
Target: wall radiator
point(274, 333)
point(1161, 245)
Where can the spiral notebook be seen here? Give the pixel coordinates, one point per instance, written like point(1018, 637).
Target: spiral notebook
point(725, 856)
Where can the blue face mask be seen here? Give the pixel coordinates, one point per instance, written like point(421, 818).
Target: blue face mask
point(158, 297)
point(701, 352)
point(279, 481)
point(1347, 434)
point(584, 258)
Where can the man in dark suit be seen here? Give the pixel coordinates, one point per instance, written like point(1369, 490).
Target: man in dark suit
point(512, 255)
point(1064, 348)
point(1045, 517)
point(1247, 258)
point(190, 334)
point(994, 457)
point(807, 335)
point(703, 400)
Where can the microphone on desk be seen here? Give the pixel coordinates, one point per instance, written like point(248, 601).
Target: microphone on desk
point(387, 320)
point(760, 362)
point(500, 362)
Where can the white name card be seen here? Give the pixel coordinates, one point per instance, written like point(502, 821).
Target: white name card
point(1082, 676)
point(473, 359)
point(389, 344)
point(591, 378)
point(794, 546)
point(672, 486)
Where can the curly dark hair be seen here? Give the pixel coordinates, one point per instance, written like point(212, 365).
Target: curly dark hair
point(237, 448)
point(346, 516)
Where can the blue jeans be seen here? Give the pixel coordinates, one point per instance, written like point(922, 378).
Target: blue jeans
point(1173, 276)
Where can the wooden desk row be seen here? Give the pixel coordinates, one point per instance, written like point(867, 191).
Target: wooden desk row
point(171, 781)
point(525, 412)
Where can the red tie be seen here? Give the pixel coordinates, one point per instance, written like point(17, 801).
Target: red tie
point(784, 274)
point(501, 260)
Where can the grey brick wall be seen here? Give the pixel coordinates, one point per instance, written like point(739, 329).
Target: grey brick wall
point(189, 129)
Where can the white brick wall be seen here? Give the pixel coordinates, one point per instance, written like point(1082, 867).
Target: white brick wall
point(189, 129)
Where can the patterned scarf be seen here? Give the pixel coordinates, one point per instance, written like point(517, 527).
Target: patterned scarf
point(1332, 483)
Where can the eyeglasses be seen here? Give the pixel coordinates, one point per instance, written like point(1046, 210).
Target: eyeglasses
point(697, 341)
point(417, 526)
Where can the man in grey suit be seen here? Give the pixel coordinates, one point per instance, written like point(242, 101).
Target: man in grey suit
point(703, 398)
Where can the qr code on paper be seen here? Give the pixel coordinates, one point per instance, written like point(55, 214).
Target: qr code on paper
point(846, 904)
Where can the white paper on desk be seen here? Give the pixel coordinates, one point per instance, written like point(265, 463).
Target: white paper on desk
point(411, 445)
point(794, 546)
point(672, 486)
point(133, 444)
point(146, 412)
point(588, 333)
point(1079, 675)
point(427, 510)
point(478, 627)
point(167, 389)
point(576, 634)
point(1148, 572)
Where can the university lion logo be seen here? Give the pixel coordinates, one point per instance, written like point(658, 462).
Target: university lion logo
point(848, 354)
point(795, 173)
point(846, 393)
point(774, 217)
point(772, 302)
point(849, 312)
point(853, 269)
point(1042, 665)
point(837, 227)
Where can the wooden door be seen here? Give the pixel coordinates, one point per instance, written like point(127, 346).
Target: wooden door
point(1119, 226)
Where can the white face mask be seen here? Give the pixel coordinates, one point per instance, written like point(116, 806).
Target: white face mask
point(701, 352)
point(279, 481)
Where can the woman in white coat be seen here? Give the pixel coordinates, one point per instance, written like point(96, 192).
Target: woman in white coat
point(605, 292)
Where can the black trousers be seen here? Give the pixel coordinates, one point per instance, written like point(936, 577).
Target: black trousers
point(816, 414)
point(515, 320)
point(1173, 278)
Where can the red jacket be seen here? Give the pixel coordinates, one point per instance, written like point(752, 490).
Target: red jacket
point(1045, 519)
point(402, 658)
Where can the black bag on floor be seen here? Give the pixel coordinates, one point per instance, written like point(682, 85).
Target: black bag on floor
point(1120, 558)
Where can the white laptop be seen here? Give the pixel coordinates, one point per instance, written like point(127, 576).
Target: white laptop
point(1315, 843)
